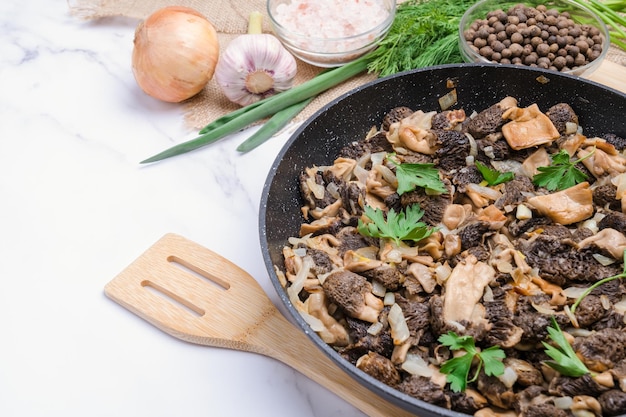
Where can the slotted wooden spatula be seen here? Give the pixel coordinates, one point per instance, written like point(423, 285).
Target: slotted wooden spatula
point(198, 296)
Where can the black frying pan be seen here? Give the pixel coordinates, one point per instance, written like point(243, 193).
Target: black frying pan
point(349, 117)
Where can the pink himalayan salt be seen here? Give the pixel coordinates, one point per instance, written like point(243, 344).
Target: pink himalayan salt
point(320, 20)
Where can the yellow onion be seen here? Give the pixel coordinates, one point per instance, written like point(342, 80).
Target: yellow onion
point(175, 53)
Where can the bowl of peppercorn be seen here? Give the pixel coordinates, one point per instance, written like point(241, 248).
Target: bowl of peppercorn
point(559, 35)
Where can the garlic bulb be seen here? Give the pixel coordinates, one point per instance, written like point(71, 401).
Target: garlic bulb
point(174, 54)
point(254, 66)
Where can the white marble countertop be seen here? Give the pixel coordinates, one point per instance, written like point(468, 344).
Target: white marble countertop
point(77, 208)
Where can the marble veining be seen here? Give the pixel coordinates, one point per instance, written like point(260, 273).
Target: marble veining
point(76, 208)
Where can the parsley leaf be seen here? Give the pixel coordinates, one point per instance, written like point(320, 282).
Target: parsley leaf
point(426, 176)
point(561, 173)
point(397, 226)
point(457, 369)
point(492, 176)
point(492, 359)
point(564, 359)
point(456, 342)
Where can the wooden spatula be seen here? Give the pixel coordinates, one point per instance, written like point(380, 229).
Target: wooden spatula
point(198, 296)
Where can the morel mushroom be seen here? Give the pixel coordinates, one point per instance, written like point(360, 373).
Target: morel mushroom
point(353, 293)
point(379, 367)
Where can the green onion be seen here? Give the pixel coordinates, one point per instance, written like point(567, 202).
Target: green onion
point(268, 107)
point(228, 117)
point(615, 21)
point(607, 11)
point(273, 125)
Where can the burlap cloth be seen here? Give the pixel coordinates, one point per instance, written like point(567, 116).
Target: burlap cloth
point(230, 18)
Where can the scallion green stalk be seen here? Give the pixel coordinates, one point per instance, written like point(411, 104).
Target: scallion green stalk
point(273, 125)
point(266, 108)
point(228, 117)
point(607, 11)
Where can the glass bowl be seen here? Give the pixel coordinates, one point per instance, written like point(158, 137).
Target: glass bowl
point(330, 33)
point(579, 14)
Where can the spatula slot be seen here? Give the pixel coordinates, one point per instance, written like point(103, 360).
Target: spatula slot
point(197, 271)
point(173, 298)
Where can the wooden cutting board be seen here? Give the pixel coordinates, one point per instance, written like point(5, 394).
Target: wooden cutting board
point(610, 74)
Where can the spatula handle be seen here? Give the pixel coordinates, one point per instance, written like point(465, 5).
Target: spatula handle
point(287, 343)
point(198, 296)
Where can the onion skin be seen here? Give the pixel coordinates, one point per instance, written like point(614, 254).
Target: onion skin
point(175, 53)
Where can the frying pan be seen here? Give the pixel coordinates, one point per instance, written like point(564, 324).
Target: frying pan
point(350, 117)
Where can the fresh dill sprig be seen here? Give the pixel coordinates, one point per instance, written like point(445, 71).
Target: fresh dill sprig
point(424, 33)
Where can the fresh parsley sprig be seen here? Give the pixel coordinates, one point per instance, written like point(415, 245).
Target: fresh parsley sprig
point(405, 225)
point(564, 359)
point(458, 368)
point(492, 176)
point(561, 173)
point(411, 176)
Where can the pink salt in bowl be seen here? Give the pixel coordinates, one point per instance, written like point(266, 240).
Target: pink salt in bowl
point(330, 33)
